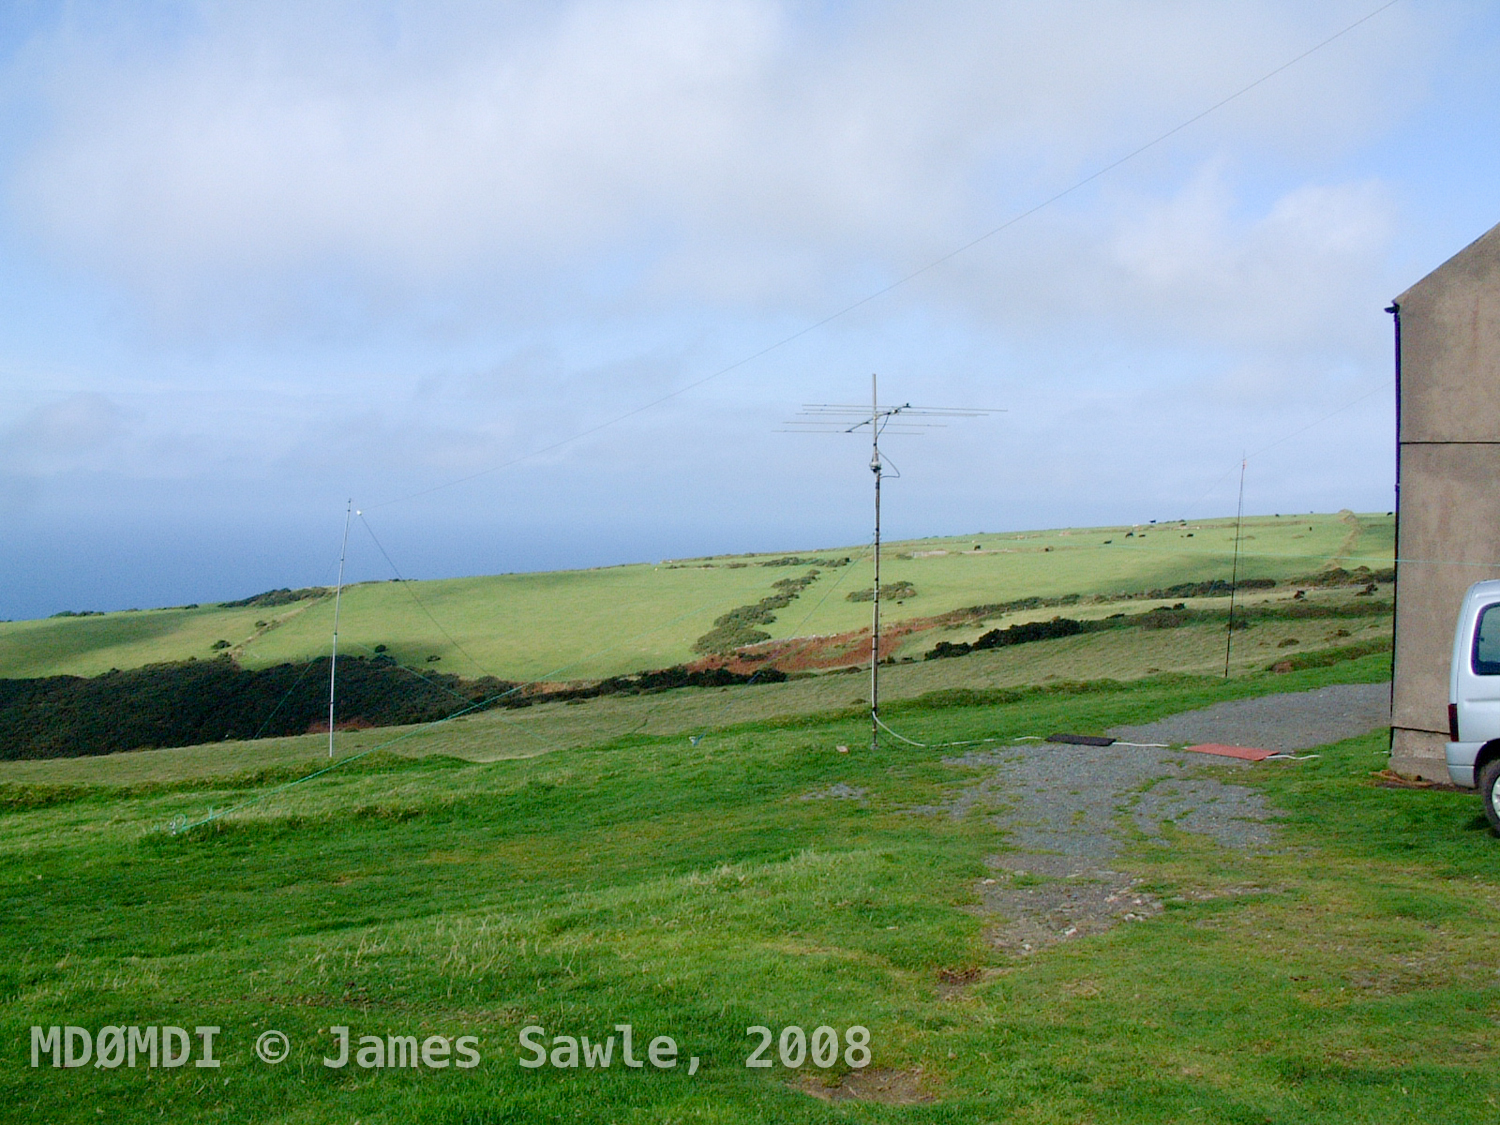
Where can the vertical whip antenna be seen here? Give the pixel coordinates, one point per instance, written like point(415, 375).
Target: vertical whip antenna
point(829, 417)
point(338, 593)
point(1234, 572)
point(875, 467)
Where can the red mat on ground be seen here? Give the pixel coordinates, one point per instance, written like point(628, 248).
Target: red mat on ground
point(1247, 753)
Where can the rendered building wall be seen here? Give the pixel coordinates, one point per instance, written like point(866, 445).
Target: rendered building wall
point(1448, 502)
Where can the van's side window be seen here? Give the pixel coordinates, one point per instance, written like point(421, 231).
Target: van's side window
point(1487, 642)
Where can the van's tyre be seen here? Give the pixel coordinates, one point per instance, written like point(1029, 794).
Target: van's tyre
point(1489, 791)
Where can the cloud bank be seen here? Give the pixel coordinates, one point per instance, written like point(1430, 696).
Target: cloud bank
point(372, 247)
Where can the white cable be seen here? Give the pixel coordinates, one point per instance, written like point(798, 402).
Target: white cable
point(935, 745)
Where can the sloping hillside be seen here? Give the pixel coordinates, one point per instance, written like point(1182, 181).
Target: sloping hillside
point(570, 625)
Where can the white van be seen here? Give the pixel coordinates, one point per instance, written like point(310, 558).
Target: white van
point(1474, 697)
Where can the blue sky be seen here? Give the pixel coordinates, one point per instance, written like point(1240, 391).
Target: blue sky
point(257, 259)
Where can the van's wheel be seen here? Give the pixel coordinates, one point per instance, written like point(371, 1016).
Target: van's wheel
point(1489, 790)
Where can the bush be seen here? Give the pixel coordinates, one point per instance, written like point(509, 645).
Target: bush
point(1015, 635)
point(1328, 656)
point(737, 628)
point(282, 596)
point(1338, 576)
point(895, 591)
point(199, 701)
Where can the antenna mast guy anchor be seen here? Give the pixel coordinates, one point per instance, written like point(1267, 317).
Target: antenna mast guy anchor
point(837, 416)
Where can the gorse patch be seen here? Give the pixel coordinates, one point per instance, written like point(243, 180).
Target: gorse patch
point(737, 628)
point(283, 596)
point(899, 590)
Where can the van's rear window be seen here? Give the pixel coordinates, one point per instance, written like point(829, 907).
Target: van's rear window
point(1487, 642)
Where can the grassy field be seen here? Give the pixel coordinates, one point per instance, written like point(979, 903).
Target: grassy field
point(1126, 654)
point(571, 625)
point(689, 889)
point(657, 861)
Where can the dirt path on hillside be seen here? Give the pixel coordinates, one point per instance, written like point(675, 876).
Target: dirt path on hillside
point(1067, 812)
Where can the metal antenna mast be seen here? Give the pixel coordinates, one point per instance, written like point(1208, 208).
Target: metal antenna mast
point(838, 418)
point(338, 593)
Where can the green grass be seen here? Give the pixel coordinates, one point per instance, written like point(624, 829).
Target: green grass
point(592, 623)
point(1126, 654)
point(691, 890)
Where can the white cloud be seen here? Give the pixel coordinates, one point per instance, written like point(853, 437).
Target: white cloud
point(297, 252)
point(81, 431)
point(1298, 273)
point(736, 151)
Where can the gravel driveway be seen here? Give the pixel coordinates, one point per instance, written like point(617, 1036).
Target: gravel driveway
point(1066, 810)
point(1296, 721)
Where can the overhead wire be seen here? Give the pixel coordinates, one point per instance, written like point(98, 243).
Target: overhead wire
point(181, 824)
point(406, 587)
point(306, 667)
point(456, 695)
point(835, 315)
point(409, 590)
point(451, 640)
point(904, 279)
point(1187, 510)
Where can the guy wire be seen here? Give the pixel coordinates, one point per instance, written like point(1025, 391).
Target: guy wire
point(217, 814)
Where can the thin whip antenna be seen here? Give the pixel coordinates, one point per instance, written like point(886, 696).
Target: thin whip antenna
point(875, 467)
point(1234, 573)
point(338, 594)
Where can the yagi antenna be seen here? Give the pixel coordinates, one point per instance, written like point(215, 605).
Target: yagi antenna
point(848, 418)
